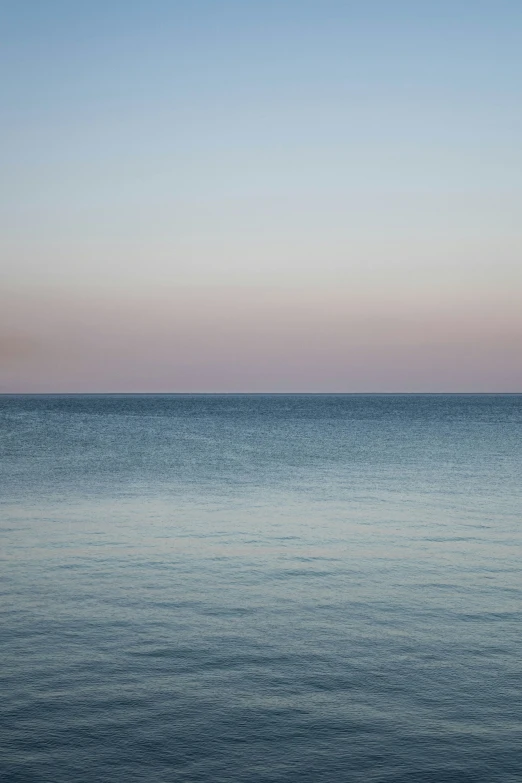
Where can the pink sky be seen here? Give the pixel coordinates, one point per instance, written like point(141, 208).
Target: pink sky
point(194, 338)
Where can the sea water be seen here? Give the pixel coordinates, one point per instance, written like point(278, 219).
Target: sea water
point(255, 588)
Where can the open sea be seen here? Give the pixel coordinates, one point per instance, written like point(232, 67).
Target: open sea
point(261, 588)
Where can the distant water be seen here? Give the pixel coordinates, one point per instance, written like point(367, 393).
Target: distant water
point(251, 589)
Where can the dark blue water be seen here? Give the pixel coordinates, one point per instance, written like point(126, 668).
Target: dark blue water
point(261, 588)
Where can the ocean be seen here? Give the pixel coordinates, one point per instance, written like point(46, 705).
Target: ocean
point(261, 588)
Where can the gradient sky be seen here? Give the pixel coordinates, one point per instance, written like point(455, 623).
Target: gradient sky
point(261, 195)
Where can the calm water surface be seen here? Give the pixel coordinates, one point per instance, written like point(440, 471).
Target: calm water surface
point(261, 588)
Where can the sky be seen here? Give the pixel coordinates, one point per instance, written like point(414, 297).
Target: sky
point(261, 195)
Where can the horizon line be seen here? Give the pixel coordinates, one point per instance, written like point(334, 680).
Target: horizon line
point(252, 394)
